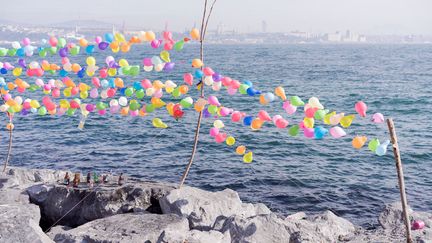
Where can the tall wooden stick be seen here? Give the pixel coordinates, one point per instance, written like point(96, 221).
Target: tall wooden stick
point(399, 169)
point(203, 31)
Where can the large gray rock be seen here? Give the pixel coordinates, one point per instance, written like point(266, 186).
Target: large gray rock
point(203, 209)
point(261, 228)
point(325, 227)
point(212, 236)
point(22, 177)
point(127, 228)
point(55, 201)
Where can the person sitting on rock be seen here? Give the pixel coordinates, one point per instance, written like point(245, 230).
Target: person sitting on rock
point(120, 179)
point(105, 178)
point(66, 180)
point(95, 178)
point(76, 180)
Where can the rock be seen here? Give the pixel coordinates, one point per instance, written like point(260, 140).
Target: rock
point(21, 177)
point(129, 228)
point(296, 216)
point(261, 228)
point(20, 223)
point(56, 200)
point(325, 227)
point(203, 209)
point(212, 236)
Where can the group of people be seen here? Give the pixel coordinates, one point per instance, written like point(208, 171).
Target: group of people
point(90, 181)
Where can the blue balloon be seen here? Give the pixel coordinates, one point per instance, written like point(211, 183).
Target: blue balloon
point(109, 37)
point(20, 52)
point(122, 91)
point(320, 132)
point(63, 73)
point(248, 83)
point(90, 49)
point(250, 91)
point(198, 74)
point(3, 71)
point(137, 85)
point(111, 83)
point(247, 121)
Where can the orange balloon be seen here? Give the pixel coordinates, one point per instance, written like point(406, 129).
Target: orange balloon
point(11, 86)
point(262, 100)
point(157, 84)
point(240, 150)
point(10, 126)
point(150, 35)
point(124, 111)
point(256, 124)
point(170, 108)
point(135, 40)
point(76, 67)
point(197, 63)
point(125, 47)
point(359, 141)
point(195, 34)
point(119, 82)
point(280, 91)
point(183, 89)
point(114, 45)
point(142, 112)
point(83, 42)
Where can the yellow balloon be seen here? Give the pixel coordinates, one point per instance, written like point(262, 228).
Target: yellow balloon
point(17, 72)
point(91, 61)
point(308, 122)
point(248, 158)
point(327, 117)
point(119, 37)
point(158, 123)
point(123, 63)
point(347, 120)
point(218, 124)
point(165, 56)
point(63, 104)
point(230, 141)
point(112, 71)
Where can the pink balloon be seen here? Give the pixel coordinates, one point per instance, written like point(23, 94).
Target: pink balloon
point(235, 84)
point(147, 62)
point(225, 111)
point(337, 132)
point(310, 112)
point(53, 41)
point(208, 71)
point(26, 41)
point(301, 125)
point(158, 93)
point(418, 224)
point(168, 45)
point(103, 73)
point(213, 100)
point(56, 92)
point(96, 82)
point(98, 39)
point(155, 43)
point(276, 117)
point(114, 109)
point(335, 119)
point(26, 105)
point(102, 112)
point(167, 35)
point(309, 132)
point(214, 131)
point(263, 115)
point(361, 108)
point(378, 118)
point(188, 78)
point(236, 116)
point(94, 93)
point(290, 109)
point(146, 84)
point(226, 81)
point(281, 123)
point(61, 111)
point(133, 113)
point(220, 137)
point(231, 91)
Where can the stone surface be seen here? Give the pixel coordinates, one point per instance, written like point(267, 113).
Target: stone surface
point(132, 227)
point(203, 209)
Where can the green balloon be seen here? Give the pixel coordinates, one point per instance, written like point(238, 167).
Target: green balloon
point(373, 144)
point(140, 94)
point(75, 50)
point(150, 108)
point(100, 105)
point(212, 109)
point(134, 70)
point(186, 102)
point(134, 106)
point(178, 46)
point(61, 42)
point(243, 88)
point(11, 52)
point(43, 52)
point(3, 52)
point(296, 101)
point(319, 114)
point(70, 112)
point(294, 130)
point(129, 92)
point(176, 93)
point(42, 111)
point(126, 70)
point(53, 50)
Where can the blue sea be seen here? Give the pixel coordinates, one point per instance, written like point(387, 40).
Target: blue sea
point(289, 174)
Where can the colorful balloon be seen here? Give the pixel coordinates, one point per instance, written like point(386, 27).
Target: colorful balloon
point(361, 108)
point(359, 141)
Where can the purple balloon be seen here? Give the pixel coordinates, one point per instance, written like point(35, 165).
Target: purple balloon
point(24, 112)
point(206, 113)
point(217, 77)
point(22, 63)
point(63, 52)
point(103, 45)
point(169, 66)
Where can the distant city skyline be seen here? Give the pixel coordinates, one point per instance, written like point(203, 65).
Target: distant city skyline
point(315, 16)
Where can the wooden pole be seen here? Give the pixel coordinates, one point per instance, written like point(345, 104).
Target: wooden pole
point(9, 150)
point(399, 169)
point(203, 30)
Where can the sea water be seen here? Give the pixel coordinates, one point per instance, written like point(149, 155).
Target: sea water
point(289, 174)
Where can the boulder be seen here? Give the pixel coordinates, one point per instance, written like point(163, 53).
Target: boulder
point(260, 228)
point(212, 236)
point(131, 227)
point(56, 200)
point(203, 209)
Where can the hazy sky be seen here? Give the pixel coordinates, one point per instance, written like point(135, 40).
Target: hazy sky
point(363, 16)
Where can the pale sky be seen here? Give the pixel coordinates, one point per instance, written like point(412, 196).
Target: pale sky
point(319, 16)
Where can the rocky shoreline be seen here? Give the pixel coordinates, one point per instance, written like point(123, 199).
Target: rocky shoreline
point(32, 201)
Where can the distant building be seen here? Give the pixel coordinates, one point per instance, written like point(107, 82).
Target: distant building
point(335, 37)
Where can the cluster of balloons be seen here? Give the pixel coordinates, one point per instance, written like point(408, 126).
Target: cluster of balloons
point(111, 93)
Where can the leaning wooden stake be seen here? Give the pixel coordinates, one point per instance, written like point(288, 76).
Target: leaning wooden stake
point(400, 177)
point(9, 150)
point(203, 31)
